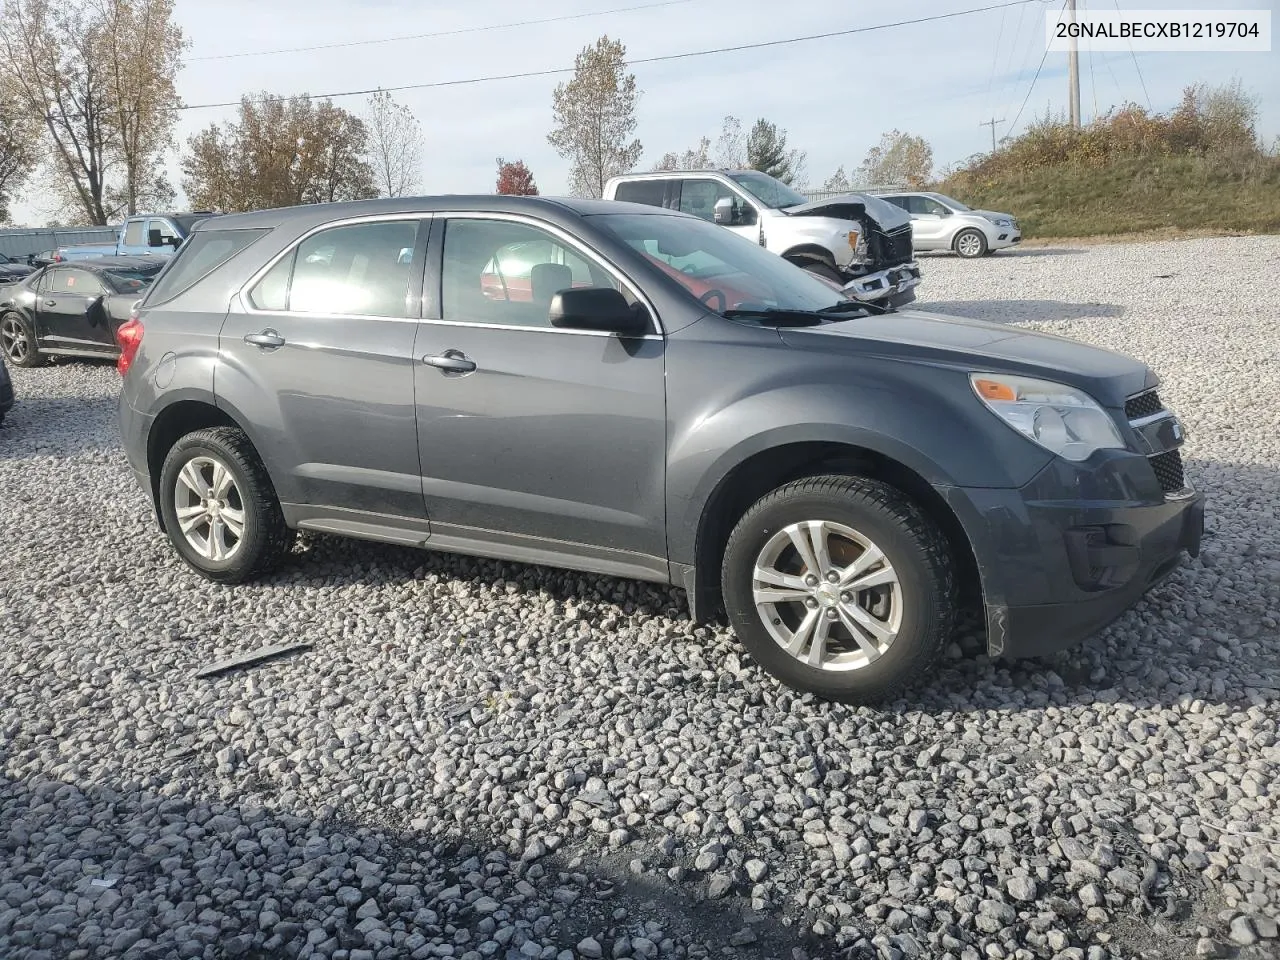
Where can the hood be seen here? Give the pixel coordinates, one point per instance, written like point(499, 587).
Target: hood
point(975, 345)
point(992, 213)
point(848, 205)
point(14, 271)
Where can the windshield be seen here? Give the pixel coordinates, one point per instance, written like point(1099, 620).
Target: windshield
point(953, 204)
point(128, 281)
point(768, 190)
point(4, 259)
point(724, 271)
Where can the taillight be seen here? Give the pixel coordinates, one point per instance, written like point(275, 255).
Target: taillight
point(129, 336)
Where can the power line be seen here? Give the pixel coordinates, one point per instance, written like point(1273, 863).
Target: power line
point(995, 59)
point(1014, 126)
point(1133, 54)
point(440, 33)
point(631, 63)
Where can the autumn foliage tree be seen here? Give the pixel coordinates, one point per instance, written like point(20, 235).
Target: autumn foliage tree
point(395, 146)
point(98, 77)
point(19, 136)
point(515, 179)
point(900, 159)
point(279, 152)
point(595, 116)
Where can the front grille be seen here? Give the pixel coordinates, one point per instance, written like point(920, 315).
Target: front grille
point(1168, 468)
point(896, 247)
point(1143, 405)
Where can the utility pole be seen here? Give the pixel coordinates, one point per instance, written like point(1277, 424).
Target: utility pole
point(1073, 68)
point(992, 124)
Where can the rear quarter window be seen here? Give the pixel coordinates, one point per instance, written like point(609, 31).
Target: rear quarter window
point(648, 192)
point(197, 258)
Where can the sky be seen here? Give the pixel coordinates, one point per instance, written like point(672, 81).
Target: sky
point(834, 96)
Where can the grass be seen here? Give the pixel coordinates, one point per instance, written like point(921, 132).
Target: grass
point(1150, 197)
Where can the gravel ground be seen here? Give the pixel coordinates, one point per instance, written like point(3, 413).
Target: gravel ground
point(484, 760)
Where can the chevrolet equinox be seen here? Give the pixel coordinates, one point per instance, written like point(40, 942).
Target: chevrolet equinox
point(633, 391)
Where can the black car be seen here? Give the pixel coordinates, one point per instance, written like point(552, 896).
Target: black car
point(72, 309)
point(12, 271)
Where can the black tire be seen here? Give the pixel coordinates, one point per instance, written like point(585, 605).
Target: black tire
point(13, 353)
point(266, 539)
point(980, 250)
point(821, 269)
point(912, 543)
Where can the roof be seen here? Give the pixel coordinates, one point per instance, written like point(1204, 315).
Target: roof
point(548, 207)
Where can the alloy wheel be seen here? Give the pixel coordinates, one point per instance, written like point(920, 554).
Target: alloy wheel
point(969, 245)
point(210, 508)
point(14, 340)
point(827, 595)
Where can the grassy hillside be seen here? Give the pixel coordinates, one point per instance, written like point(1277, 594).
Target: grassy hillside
point(1130, 195)
point(1199, 168)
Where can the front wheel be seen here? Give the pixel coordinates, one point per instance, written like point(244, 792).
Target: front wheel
point(18, 340)
point(970, 244)
point(840, 586)
point(820, 269)
point(220, 508)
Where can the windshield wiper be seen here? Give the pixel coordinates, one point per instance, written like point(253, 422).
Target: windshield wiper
point(851, 306)
point(780, 315)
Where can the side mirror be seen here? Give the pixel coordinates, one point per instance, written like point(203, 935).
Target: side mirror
point(723, 211)
point(155, 238)
point(596, 308)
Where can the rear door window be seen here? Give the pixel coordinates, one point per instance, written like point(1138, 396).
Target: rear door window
point(358, 270)
point(133, 234)
point(197, 258)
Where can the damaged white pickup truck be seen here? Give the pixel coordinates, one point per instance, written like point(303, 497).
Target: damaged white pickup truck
point(858, 242)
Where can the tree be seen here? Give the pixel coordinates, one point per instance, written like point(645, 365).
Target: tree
point(594, 116)
point(50, 61)
point(899, 159)
point(395, 145)
point(19, 133)
point(838, 182)
point(731, 146)
point(696, 159)
point(141, 52)
point(767, 152)
point(515, 179)
point(279, 152)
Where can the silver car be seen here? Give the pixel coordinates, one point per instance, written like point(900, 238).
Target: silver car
point(939, 222)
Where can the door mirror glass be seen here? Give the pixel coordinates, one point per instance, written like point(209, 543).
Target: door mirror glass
point(155, 238)
point(596, 308)
point(732, 212)
point(724, 211)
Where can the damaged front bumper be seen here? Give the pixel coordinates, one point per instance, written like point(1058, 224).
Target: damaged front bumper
point(896, 284)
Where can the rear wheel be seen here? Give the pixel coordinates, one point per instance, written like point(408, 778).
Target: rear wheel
point(840, 586)
point(970, 244)
point(18, 341)
point(220, 508)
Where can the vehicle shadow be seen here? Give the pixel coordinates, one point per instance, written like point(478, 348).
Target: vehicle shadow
point(422, 880)
point(1174, 644)
point(1011, 252)
point(1020, 311)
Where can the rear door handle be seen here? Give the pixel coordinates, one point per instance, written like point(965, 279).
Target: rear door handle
point(451, 361)
point(267, 338)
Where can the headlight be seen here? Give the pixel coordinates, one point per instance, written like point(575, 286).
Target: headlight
point(1062, 419)
point(1001, 221)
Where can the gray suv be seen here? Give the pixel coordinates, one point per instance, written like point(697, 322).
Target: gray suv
point(633, 391)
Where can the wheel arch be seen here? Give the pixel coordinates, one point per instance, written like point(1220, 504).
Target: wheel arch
point(810, 251)
point(767, 469)
point(172, 424)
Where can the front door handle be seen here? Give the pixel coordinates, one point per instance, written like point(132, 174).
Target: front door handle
point(267, 338)
point(51, 303)
point(451, 361)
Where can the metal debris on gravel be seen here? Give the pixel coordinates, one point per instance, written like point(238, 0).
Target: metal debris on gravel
point(483, 759)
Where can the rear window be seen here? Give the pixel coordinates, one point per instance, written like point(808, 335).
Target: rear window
point(197, 258)
point(648, 192)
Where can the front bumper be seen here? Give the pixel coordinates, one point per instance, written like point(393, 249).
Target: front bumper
point(1055, 571)
point(890, 283)
point(1004, 237)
